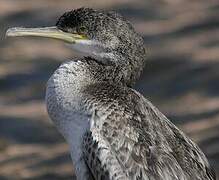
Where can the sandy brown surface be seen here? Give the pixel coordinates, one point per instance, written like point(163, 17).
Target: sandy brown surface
point(181, 77)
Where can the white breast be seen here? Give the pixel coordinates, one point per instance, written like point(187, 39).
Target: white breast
point(63, 98)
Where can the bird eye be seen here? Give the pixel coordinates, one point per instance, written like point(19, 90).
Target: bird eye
point(82, 29)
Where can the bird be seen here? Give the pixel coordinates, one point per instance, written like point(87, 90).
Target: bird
point(113, 132)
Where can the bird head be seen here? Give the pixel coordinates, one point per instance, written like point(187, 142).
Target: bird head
point(105, 36)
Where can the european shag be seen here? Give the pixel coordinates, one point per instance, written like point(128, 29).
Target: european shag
point(113, 132)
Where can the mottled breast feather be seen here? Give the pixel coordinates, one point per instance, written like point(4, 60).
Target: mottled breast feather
point(130, 139)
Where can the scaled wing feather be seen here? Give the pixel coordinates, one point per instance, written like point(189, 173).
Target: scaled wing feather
point(132, 140)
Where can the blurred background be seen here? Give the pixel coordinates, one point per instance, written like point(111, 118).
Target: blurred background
point(181, 77)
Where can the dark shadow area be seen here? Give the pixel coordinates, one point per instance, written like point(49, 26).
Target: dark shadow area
point(211, 148)
point(33, 81)
point(52, 176)
point(4, 178)
point(168, 78)
point(181, 119)
point(22, 130)
point(61, 159)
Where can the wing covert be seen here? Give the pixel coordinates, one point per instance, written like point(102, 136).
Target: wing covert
point(135, 141)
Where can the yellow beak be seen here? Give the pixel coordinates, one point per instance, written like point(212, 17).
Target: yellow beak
point(49, 32)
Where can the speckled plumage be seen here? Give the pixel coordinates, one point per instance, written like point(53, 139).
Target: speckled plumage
point(114, 133)
point(115, 33)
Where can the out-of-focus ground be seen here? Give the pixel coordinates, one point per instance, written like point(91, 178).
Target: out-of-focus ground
point(181, 77)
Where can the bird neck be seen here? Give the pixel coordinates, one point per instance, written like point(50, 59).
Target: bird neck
point(66, 86)
point(123, 62)
point(66, 89)
point(65, 95)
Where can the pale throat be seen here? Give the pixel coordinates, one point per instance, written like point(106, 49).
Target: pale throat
point(92, 48)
